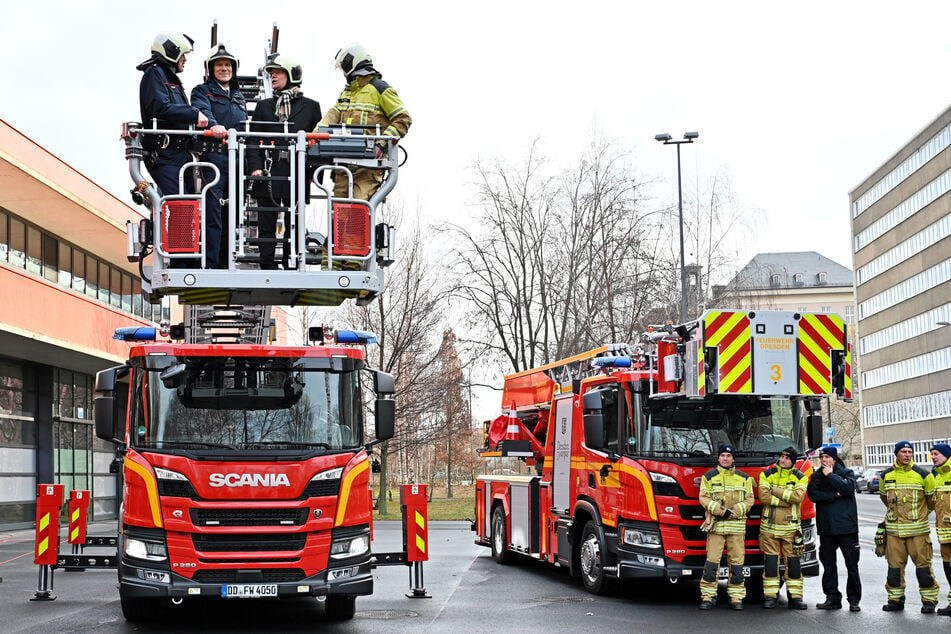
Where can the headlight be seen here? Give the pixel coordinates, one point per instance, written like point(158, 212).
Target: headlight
point(150, 551)
point(662, 477)
point(329, 474)
point(165, 474)
point(642, 538)
point(350, 547)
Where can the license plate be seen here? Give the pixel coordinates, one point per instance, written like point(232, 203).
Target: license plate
point(725, 572)
point(248, 590)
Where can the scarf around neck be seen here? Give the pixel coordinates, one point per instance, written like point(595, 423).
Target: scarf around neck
point(282, 102)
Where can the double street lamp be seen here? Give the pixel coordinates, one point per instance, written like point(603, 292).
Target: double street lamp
point(666, 139)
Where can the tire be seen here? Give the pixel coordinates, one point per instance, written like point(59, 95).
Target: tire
point(500, 537)
point(340, 607)
point(591, 559)
point(138, 610)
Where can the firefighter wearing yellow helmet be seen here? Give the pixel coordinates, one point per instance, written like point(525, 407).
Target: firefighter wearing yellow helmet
point(366, 100)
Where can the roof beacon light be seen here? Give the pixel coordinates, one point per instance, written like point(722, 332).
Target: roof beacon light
point(355, 336)
point(135, 333)
point(612, 362)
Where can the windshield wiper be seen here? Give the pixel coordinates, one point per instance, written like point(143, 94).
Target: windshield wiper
point(672, 452)
point(750, 452)
point(185, 443)
point(292, 443)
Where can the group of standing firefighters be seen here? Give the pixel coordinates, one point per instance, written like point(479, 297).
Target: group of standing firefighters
point(909, 492)
point(218, 105)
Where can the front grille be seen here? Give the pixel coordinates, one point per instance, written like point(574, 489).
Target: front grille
point(268, 575)
point(249, 517)
point(249, 543)
point(314, 489)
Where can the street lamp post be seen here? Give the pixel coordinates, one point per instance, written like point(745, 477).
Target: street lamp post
point(666, 139)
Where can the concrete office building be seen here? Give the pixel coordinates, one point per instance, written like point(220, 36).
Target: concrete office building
point(901, 233)
point(65, 285)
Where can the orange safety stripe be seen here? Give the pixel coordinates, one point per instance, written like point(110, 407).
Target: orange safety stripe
point(150, 487)
point(645, 485)
point(345, 487)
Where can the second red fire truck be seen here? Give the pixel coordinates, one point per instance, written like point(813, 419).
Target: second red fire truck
point(620, 436)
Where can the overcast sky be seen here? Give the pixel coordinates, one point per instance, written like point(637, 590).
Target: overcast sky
point(800, 101)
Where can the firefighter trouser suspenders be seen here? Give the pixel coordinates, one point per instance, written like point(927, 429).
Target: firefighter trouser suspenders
point(897, 551)
point(774, 547)
point(735, 547)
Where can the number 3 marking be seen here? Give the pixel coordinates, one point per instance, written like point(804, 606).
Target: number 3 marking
point(777, 372)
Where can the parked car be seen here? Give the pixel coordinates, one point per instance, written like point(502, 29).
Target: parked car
point(868, 482)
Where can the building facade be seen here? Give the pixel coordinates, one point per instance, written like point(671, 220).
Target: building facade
point(65, 285)
point(901, 241)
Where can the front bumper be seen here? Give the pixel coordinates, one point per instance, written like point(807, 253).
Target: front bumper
point(138, 580)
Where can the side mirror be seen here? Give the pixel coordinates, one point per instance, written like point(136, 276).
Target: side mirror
point(591, 400)
point(383, 383)
point(594, 430)
point(104, 414)
point(385, 418)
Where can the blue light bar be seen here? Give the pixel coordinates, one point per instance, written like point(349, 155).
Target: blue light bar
point(612, 362)
point(355, 336)
point(135, 333)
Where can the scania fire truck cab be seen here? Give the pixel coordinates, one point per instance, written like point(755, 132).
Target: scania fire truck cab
point(245, 472)
point(621, 436)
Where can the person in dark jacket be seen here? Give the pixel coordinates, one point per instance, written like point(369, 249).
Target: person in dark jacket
point(832, 489)
point(161, 97)
point(300, 113)
point(223, 103)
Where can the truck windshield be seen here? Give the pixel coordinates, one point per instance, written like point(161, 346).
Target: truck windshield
point(238, 403)
point(755, 426)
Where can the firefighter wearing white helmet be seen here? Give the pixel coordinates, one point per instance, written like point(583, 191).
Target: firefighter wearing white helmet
point(162, 99)
point(370, 101)
point(224, 104)
point(290, 106)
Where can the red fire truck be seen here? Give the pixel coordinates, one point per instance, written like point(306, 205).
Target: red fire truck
point(245, 470)
point(620, 436)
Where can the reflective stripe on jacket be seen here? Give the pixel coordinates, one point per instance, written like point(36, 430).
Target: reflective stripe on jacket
point(369, 100)
point(781, 491)
point(908, 493)
point(722, 489)
point(942, 501)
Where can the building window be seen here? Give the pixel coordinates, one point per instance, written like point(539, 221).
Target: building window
point(826, 309)
point(797, 279)
point(822, 279)
point(850, 314)
point(774, 280)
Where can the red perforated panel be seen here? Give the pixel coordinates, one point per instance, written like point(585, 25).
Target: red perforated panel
point(181, 220)
point(351, 229)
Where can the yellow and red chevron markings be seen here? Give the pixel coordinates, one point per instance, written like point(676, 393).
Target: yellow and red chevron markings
point(729, 332)
point(819, 334)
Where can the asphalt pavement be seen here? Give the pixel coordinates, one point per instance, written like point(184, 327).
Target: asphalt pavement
point(469, 592)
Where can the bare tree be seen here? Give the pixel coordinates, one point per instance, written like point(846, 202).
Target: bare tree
point(559, 263)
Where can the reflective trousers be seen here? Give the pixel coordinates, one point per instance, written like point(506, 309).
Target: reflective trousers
point(774, 547)
point(365, 183)
point(897, 552)
point(735, 551)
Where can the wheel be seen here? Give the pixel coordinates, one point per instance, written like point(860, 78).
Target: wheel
point(340, 607)
point(592, 560)
point(500, 537)
point(136, 610)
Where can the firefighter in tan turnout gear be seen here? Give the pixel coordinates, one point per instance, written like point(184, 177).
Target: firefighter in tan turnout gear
point(907, 490)
point(942, 509)
point(369, 101)
point(782, 489)
point(727, 495)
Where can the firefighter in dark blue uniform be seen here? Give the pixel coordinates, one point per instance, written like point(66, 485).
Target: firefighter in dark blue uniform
point(162, 97)
point(222, 102)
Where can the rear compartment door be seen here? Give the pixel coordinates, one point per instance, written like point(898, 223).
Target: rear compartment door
point(561, 460)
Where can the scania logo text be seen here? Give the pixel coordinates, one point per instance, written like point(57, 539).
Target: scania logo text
point(249, 480)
